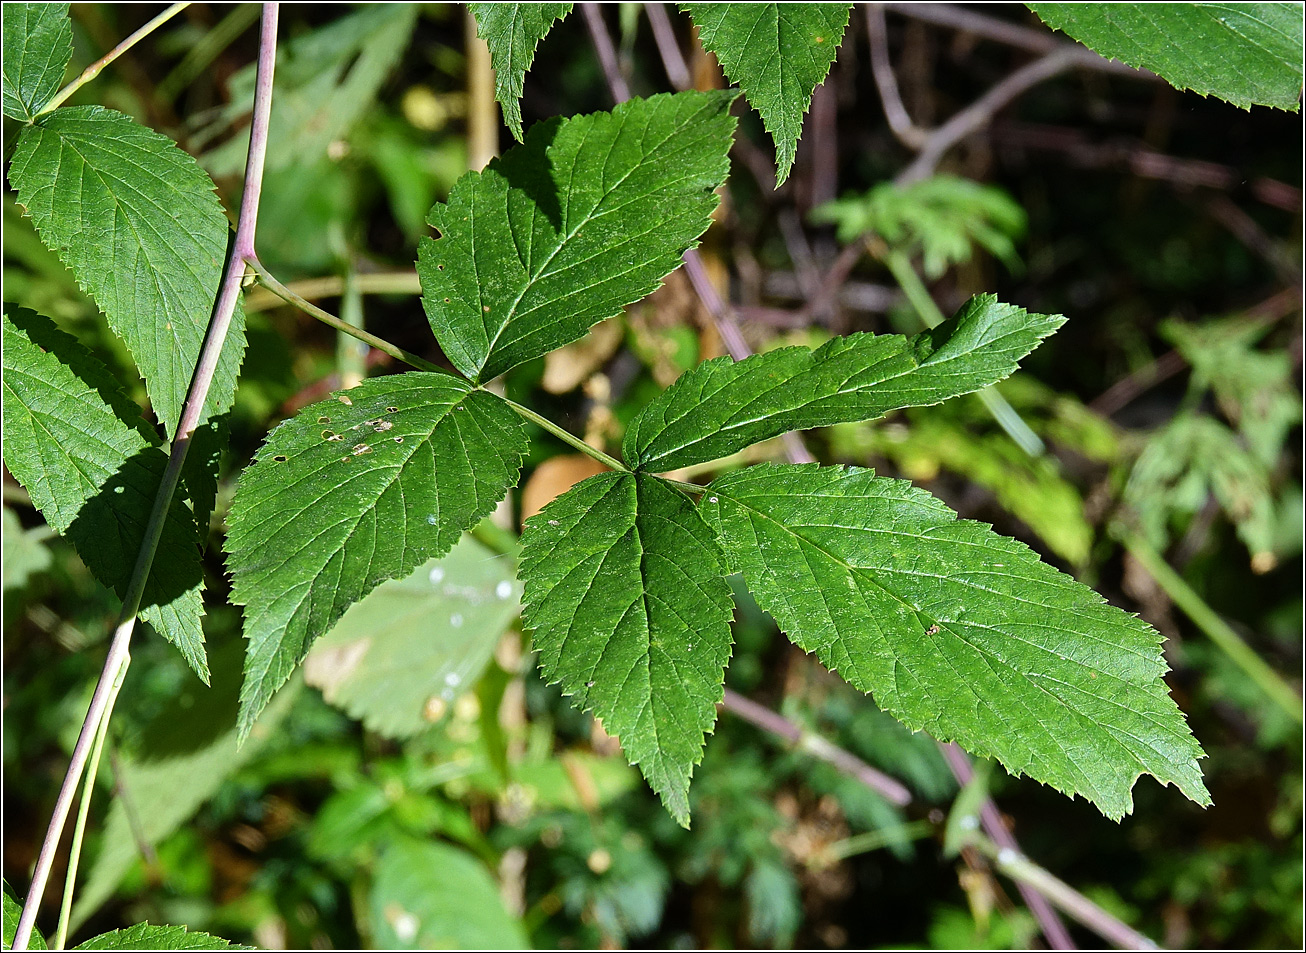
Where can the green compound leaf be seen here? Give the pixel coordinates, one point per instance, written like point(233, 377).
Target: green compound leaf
point(352, 491)
point(1243, 53)
point(431, 896)
point(624, 588)
point(512, 31)
point(777, 53)
point(723, 406)
point(136, 220)
point(93, 468)
point(582, 219)
point(145, 936)
point(416, 641)
point(38, 43)
point(956, 630)
point(944, 219)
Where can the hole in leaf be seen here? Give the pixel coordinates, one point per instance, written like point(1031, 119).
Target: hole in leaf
point(324, 420)
point(392, 410)
point(280, 458)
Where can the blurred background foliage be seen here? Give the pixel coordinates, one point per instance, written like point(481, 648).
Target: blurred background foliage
point(420, 787)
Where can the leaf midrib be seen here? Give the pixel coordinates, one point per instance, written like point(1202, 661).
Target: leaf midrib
point(592, 215)
point(991, 659)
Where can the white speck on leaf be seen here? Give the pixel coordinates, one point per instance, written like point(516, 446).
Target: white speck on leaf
point(406, 927)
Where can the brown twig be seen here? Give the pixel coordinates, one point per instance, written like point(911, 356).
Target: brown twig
point(673, 61)
point(834, 286)
point(1246, 229)
point(1124, 391)
point(1012, 34)
point(1050, 923)
point(607, 53)
point(931, 145)
point(822, 149)
point(890, 789)
point(1142, 161)
point(886, 82)
point(981, 112)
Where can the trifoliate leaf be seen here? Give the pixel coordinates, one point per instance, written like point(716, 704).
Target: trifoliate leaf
point(723, 406)
point(512, 31)
point(565, 230)
point(93, 472)
point(136, 220)
point(146, 936)
point(956, 630)
point(623, 587)
point(352, 491)
point(777, 53)
point(399, 657)
point(1243, 53)
point(432, 896)
point(38, 43)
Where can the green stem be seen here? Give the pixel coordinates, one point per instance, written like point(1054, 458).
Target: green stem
point(281, 291)
point(331, 286)
point(687, 487)
point(581, 445)
point(84, 810)
point(1007, 417)
point(874, 840)
point(205, 367)
point(492, 536)
point(94, 69)
point(266, 279)
point(1073, 903)
point(206, 50)
point(1208, 620)
point(351, 353)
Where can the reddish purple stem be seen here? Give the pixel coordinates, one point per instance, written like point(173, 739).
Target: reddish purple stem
point(202, 379)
